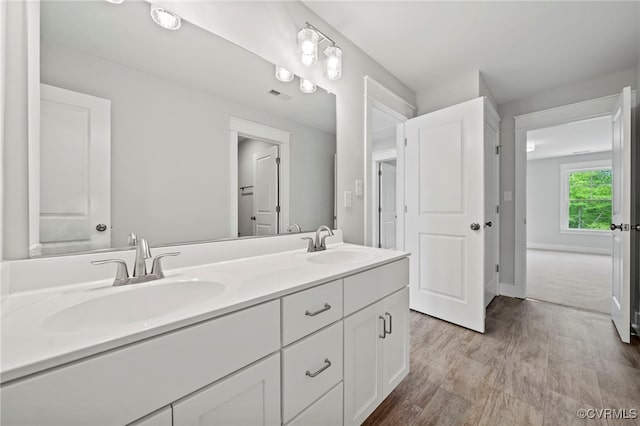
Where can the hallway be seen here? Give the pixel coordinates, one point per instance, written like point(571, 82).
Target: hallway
point(538, 363)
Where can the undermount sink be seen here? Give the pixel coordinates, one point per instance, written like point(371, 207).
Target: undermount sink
point(133, 305)
point(338, 256)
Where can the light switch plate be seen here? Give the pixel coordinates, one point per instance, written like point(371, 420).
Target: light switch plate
point(359, 188)
point(347, 199)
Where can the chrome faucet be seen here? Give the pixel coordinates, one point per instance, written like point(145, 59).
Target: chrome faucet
point(319, 243)
point(294, 227)
point(140, 274)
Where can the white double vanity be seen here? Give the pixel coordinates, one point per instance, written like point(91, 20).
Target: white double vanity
point(267, 334)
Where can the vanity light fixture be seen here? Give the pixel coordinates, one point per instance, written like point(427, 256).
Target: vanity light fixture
point(531, 146)
point(309, 37)
point(283, 74)
point(307, 86)
point(164, 18)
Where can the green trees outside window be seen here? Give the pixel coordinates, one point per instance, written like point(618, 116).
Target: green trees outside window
point(590, 199)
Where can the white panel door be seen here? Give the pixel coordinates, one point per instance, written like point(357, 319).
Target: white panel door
point(491, 217)
point(265, 191)
point(387, 206)
point(362, 363)
point(250, 397)
point(444, 181)
point(621, 216)
point(75, 163)
point(395, 345)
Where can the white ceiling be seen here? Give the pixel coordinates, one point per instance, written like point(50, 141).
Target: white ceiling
point(520, 46)
point(592, 135)
point(191, 56)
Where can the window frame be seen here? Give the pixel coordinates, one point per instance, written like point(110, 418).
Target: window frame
point(565, 170)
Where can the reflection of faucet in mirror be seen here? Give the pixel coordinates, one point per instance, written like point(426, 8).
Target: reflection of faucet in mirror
point(319, 244)
point(294, 227)
point(140, 274)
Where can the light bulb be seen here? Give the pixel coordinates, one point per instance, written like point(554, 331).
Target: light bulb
point(308, 46)
point(307, 86)
point(333, 62)
point(164, 18)
point(283, 74)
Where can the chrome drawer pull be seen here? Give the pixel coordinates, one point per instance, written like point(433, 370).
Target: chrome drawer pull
point(313, 314)
point(384, 327)
point(327, 364)
point(390, 323)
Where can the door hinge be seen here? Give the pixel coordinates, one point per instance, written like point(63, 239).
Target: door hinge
point(405, 208)
point(405, 141)
point(379, 172)
point(497, 268)
point(277, 209)
point(498, 149)
point(498, 209)
point(277, 160)
point(379, 209)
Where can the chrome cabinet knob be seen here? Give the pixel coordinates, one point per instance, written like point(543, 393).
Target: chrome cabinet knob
point(475, 226)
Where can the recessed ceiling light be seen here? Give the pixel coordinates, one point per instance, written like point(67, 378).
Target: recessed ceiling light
point(164, 18)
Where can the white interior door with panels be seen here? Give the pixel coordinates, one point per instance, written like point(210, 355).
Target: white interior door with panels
point(265, 191)
point(444, 180)
point(387, 216)
point(75, 172)
point(621, 216)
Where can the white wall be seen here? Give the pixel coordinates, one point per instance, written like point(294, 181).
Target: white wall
point(461, 89)
point(170, 162)
point(246, 149)
point(564, 95)
point(543, 207)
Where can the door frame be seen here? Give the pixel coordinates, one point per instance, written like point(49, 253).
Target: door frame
point(241, 127)
point(376, 94)
point(564, 114)
point(379, 157)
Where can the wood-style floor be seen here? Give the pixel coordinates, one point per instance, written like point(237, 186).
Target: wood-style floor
point(538, 363)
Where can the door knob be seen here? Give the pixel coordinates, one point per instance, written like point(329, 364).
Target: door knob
point(101, 227)
point(613, 227)
point(253, 218)
point(635, 227)
point(475, 226)
point(488, 224)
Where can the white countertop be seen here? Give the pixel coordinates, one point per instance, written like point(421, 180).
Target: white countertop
point(29, 346)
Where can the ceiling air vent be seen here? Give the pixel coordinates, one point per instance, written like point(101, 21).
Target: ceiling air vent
point(279, 95)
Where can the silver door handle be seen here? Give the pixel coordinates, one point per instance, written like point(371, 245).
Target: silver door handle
point(327, 364)
point(488, 224)
point(475, 226)
point(319, 311)
point(613, 227)
point(390, 323)
point(384, 327)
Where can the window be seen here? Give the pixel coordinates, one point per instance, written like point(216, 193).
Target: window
point(586, 201)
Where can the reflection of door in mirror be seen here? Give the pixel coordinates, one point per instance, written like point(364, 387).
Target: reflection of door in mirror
point(258, 179)
point(387, 204)
point(75, 163)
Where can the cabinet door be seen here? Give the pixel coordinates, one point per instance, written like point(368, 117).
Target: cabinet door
point(250, 397)
point(162, 417)
point(395, 345)
point(362, 363)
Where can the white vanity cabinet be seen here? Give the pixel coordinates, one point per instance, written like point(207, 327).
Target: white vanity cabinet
point(250, 397)
point(376, 354)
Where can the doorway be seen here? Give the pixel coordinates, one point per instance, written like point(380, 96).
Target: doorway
point(569, 190)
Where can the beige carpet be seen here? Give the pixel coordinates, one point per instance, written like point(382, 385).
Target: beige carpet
point(571, 279)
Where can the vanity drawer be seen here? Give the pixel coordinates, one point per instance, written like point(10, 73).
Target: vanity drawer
point(310, 310)
point(310, 368)
point(327, 411)
point(363, 289)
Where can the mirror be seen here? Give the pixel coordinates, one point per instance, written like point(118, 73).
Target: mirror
point(179, 136)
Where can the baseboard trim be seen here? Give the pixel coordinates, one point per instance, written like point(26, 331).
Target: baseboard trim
point(572, 249)
point(510, 290)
